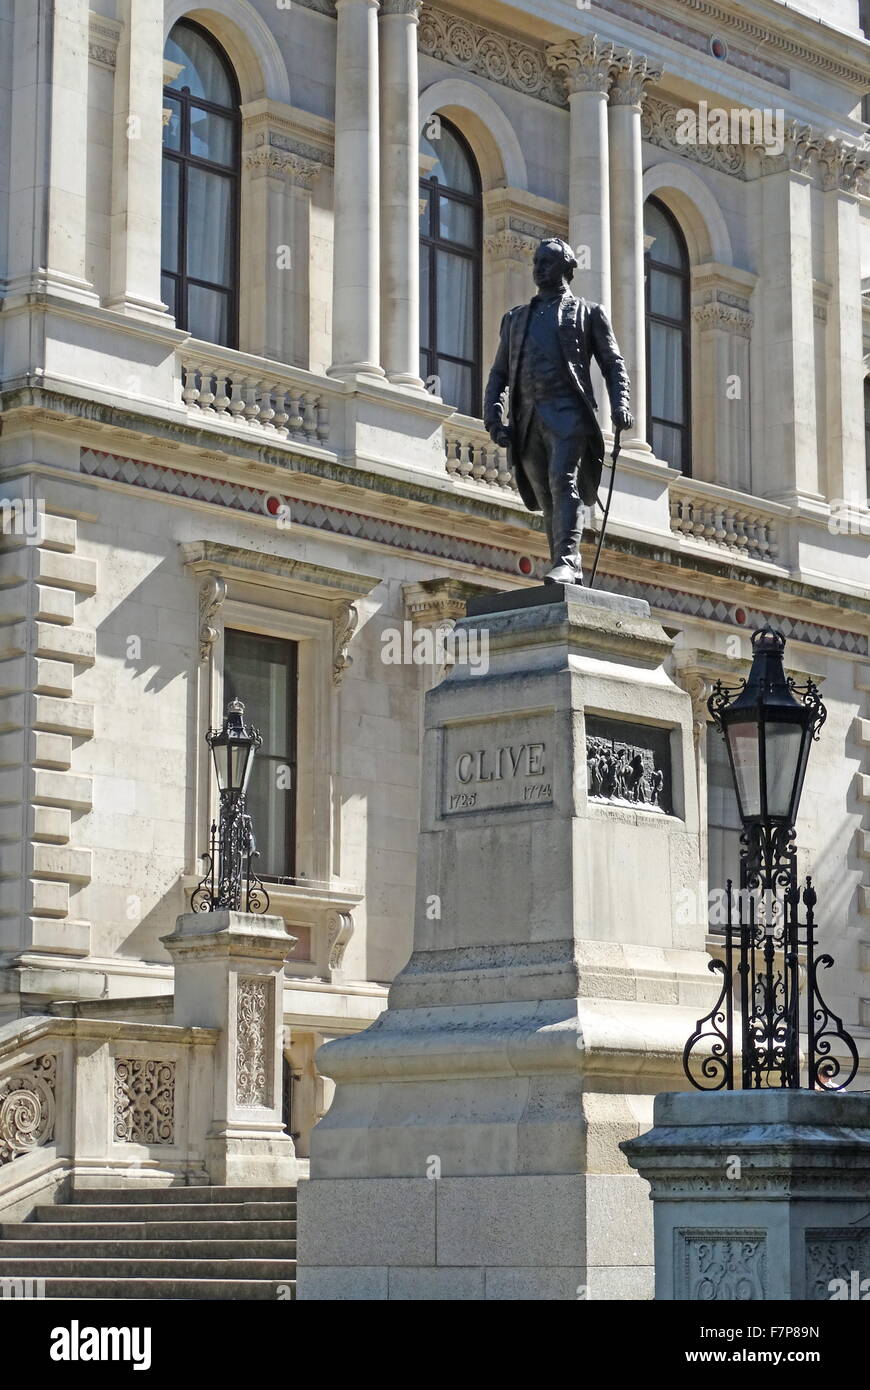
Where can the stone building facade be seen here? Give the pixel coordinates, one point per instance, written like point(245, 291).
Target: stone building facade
point(228, 467)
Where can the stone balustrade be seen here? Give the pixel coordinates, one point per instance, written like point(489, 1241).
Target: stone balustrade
point(472, 457)
point(724, 521)
point(234, 388)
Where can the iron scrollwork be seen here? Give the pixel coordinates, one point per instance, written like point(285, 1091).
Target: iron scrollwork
point(230, 877)
point(766, 936)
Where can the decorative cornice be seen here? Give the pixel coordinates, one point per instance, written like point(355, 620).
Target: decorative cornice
point(760, 34)
point(585, 63)
point(632, 74)
point(697, 39)
point(470, 46)
point(658, 125)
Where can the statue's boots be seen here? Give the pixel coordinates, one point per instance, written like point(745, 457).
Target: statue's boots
point(567, 528)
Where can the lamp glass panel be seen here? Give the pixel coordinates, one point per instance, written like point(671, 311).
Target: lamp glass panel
point(783, 749)
point(743, 744)
point(219, 751)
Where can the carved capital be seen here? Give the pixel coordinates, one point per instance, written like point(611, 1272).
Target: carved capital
point(632, 75)
point(271, 162)
point(725, 316)
point(411, 8)
point(344, 625)
point(585, 63)
point(843, 166)
point(509, 245)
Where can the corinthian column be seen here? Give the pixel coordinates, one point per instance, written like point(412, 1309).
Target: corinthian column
point(400, 247)
point(632, 75)
point(586, 64)
point(356, 265)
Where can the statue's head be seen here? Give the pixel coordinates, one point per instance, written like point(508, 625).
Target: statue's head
point(554, 263)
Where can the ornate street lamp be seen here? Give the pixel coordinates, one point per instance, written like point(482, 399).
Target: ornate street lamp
point(769, 723)
point(229, 877)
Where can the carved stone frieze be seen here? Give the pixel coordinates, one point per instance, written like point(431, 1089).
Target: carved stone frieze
point(511, 62)
point(658, 125)
point(144, 1105)
point(27, 1107)
point(254, 1027)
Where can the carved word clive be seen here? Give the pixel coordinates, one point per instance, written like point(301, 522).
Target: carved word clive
point(496, 764)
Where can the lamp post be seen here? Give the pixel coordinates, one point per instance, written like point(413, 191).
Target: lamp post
point(769, 724)
point(229, 877)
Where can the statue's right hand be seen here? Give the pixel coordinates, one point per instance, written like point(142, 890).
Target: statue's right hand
point(500, 435)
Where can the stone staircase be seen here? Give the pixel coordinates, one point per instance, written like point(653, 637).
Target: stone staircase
point(167, 1242)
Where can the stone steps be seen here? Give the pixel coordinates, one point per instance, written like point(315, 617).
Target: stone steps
point(143, 1249)
point(227, 1290)
point(153, 1211)
point(147, 1243)
point(147, 1230)
point(163, 1196)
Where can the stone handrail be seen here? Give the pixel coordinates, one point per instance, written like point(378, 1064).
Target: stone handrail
point(471, 456)
point(238, 389)
point(727, 520)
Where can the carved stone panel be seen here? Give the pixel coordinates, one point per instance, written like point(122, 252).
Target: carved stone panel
point(837, 1265)
point(254, 1041)
point(725, 1266)
point(27, 1107)
point(498, 763)
point(629, 764)
point(144, 1111)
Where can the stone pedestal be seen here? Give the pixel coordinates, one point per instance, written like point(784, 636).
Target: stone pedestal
point(472, 1150)
point(759, 1195)
point(229, 974)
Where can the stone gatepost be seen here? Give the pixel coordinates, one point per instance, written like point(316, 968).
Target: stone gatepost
point(472, 1148)
point(759, 1195)
point(229, 974)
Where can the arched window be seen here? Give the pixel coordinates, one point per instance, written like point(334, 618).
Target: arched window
point(200, 255)
point(667, 338)
point(450, 267)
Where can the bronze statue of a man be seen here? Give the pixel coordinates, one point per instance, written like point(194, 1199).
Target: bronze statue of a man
point(554, 442)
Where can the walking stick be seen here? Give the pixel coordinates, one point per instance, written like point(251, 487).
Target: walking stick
point(614, 456)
